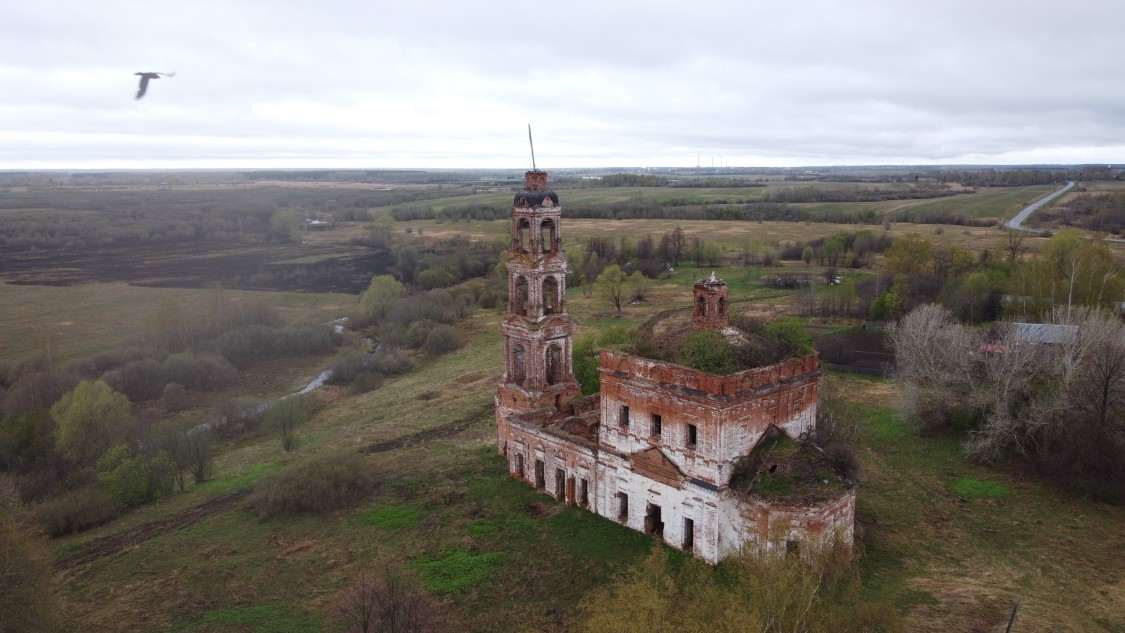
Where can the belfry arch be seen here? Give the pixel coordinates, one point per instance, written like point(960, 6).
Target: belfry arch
point(552, 301)
point(548, 236)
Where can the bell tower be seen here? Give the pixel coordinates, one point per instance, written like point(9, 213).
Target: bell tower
point(538, 332)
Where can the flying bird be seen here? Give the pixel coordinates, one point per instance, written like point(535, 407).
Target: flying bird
point(144, 81)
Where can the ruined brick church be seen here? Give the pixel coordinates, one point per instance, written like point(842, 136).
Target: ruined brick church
point(655, 449)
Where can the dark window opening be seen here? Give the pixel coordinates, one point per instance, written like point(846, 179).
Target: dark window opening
point(519, 365)
point(624, 416)
point(701, 307)
point(519, 465)
point(540, 474)
point(689, 534)
point(560, 484)
point(519, 301)
point(692, 435)
point(654, 525)
point(656, 424)
point(792, 547)
point(584, 493)
point(722, 307)
point(623, 507)
point(554, 364)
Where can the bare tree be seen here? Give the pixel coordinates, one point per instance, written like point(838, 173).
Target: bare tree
point(198, 453)
point(1013, 246)
point(388, 601)
point(1008, 390)
point(933, 359)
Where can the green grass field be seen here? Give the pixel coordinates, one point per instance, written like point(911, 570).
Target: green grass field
point(949, 542)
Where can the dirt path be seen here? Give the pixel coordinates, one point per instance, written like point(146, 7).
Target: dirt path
point(445, 430)
point(118, 542)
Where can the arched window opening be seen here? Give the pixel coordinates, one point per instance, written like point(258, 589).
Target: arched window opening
point(519, 299)
point(548, 236)
point(523, 235)
point(701, 307)
point(550, 295)
point(722, 307)
point(519, 365)
point(554, 364)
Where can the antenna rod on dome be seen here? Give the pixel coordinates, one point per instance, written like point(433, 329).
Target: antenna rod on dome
point(533, 168)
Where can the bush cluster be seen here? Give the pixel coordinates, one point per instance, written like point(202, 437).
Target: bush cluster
point(76, 510)
point(321, 484)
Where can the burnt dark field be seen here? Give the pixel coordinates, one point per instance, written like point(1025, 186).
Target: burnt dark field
point(236, 265)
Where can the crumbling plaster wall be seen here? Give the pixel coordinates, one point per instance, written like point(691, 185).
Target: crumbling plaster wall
point(556, 451)
point(676, 503)
point(730, 413)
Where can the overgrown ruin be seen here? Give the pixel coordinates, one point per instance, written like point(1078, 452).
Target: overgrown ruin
point(656, 448)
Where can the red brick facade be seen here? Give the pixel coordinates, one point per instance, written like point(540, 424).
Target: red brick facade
point(655, 448)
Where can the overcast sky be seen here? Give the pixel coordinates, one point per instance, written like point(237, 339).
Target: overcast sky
point(371, 83)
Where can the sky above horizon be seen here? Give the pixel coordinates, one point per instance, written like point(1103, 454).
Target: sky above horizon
point(370, 84)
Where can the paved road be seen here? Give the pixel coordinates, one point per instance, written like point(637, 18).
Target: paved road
point(1016, 223)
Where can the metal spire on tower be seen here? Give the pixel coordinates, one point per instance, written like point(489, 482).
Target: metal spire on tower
point(533, 168)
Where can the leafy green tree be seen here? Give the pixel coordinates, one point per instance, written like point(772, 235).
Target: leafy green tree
point(381, 232)
point(610, 285)
point(380, 296)
point(436, 278)
point(910, 254)
point(895, 299)
point(807, 255)
point(638, 286)
point(1071, 272)
point(790, 335)
point(89, 420)
point(133, 479)
point(585, 365)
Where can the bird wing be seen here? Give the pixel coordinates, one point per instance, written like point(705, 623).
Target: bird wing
point(144, 86)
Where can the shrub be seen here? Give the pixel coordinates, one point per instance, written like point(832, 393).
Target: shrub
point(201, 372)
point(708, 351)
point(26, 600)
point(285, 416)
point(416, 333)
point(443, 339)
point(241, 416)
point(94, 366)
point(139, 380)
point(133, 479)
point(790, 335)
point(321, 484)
point(76, 510)
point(391, 600)
point(844, 459)
point(387, 361)
point(365, 381)
point(174, 397)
